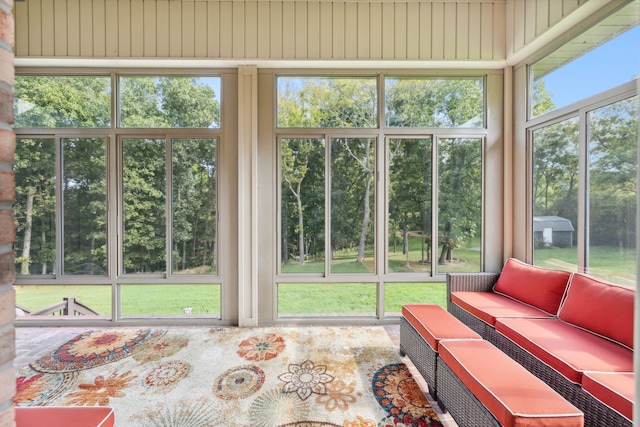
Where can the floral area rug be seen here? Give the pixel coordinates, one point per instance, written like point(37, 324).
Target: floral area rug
point(258, 377)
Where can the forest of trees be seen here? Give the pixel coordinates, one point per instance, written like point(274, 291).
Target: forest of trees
point(351, 103)
point(345, 165)
point(85, 102)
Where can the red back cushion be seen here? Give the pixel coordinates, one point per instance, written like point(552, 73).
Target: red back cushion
point(539, 287)
point(600, 307)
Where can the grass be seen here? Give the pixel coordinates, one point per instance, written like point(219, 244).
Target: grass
point(301, 299)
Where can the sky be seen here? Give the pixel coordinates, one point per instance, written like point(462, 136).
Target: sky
point(612, 64)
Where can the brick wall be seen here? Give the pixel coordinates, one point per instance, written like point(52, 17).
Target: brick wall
point(7, 227)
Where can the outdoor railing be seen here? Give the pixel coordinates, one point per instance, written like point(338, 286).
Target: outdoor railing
point(69, 306)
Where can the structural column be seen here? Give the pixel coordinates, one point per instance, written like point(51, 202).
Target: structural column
point(7, 226)
point(247, 195)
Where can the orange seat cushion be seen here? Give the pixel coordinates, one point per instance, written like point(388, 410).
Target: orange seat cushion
point(567, 349)
point(536, 286)
point(488, 306)
point(65, 416)
point(434, 323)
point(512, 394)
point(601, 307)
point(616, 390)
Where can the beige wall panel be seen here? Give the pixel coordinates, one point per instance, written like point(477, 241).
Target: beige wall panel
point(388, 31)
point(48, 27)
point(175, 29)
point(486, 32)
point(530, 10)
point(462, 33)
point(137, 29)
point(35, 27)
point(413, 30)
point(273, 29)
point(301, 28)
point(99, 29)
point(450, 31)
point(499, 35)
point(226, 29)
point(162, 24)
point(518, 24)
point(201, 30)
point(251, 25)
point(238, 30)
point(363, 29)
point(437, 31)
point(21, 17)
point(289, 30)
point(338, 31)
point(188, 30)
point(264, 27)
point(151, 28)
point(425, 30)
point(73, 31)
point(351, 30)
point(124, 28)
point(86, 29)
point(111, 28)
point(313, 30)
point(555, 12)
point(60, 29)
point(213, 28)
point(473, 35)
point(542, 16)
point(276, 30)
point(400, 31)
point(375, 35)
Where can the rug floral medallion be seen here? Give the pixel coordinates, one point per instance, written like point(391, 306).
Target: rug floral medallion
point(258, 377)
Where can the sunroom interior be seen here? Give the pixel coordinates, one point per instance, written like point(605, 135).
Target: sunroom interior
point(253, 163)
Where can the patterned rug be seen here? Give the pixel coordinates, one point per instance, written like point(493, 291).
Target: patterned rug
point(258, 377)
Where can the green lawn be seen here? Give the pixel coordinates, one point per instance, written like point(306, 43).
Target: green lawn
point(319, 298)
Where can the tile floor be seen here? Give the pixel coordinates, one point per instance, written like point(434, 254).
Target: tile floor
point(32, 343)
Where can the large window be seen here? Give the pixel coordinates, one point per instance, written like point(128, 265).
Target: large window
point(107, 216)
point(584, 163)
point(365, 208)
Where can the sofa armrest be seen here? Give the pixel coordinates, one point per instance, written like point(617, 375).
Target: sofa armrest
point(469, 282)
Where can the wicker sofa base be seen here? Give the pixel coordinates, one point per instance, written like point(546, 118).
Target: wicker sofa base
point(596, 414)
point(421, 354)
point(476, 325)
point(463, 406)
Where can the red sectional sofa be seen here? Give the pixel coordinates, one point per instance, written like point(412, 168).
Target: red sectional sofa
point(573, 331)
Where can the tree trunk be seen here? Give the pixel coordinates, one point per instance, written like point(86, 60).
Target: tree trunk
point(26, 244)
point(365, 218)
point(44, 241)
point(301, 249)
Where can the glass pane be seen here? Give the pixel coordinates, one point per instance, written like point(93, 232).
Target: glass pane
point(409, 221)
point(302, 188)
point(84, 206)
point(35, 205)
point(62, 101)
point(194, 213)
point(576, 71)
point(434, 103)
point(613, 164)
point(327, 102)
point(352, 205)
point(555, 195)
point(169, 102)
point(144, 205)
point(76, 300)
point(459, 204)
point(326, 299)
point(171, 300)
point(397, 294)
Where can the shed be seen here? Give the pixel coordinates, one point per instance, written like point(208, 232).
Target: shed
point(552, 231)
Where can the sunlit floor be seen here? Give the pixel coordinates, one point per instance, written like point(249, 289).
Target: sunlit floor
point(32, 343)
